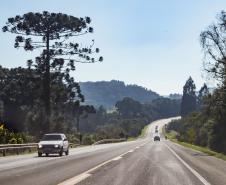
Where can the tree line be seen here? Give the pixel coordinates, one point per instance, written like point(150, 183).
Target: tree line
point(204, 114)
point(107, 93)
point(128, 119)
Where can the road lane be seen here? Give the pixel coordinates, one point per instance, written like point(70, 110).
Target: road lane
point(11, 162)
point(152, 164)
point(30, 169)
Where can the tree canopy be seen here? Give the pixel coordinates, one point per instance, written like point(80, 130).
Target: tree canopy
point(53, 33)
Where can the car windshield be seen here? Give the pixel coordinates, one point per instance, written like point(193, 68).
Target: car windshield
point(51, 137)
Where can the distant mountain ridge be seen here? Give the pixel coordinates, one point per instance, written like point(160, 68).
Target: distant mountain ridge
point(175, 96)
point(107, 93)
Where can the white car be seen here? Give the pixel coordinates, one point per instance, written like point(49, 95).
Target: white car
point(53, 143)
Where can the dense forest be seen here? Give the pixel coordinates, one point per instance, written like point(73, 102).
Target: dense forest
point(108, 93)
point(204, 113)
point(22, 114)
point(128, 119)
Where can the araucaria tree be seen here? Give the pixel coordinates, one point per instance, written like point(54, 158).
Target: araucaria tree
point(53, 34)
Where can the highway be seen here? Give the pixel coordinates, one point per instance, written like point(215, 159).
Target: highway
point(140, 162)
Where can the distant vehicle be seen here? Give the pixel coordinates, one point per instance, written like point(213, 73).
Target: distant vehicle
point(53, 143)
point(156, 138)
point(156, 127)
point(156, 131)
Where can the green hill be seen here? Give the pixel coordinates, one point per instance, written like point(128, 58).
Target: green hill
point(107, 93)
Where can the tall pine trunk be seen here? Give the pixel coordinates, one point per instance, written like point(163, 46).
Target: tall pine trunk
point(46, 86)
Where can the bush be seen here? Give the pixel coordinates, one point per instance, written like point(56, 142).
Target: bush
point(14, 138)
point(73, 138)
point(20, 140)
point(13, 141)
point(87, 139)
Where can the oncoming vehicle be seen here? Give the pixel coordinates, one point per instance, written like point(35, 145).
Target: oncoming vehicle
point(156, 138)
point(53, 143)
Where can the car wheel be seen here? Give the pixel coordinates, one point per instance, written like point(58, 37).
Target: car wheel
point(39, 154)
point(47, 154)
point(61, 152)
point(67, 152)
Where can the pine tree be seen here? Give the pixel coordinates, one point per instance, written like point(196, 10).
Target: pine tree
point(188, 103)
point(203, 92)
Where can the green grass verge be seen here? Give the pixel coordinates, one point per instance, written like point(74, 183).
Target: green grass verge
point(142, 134)
point(172, 137)
point(131, 138)
point(143, 131)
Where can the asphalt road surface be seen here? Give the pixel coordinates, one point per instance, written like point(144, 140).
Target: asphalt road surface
point(140, 162)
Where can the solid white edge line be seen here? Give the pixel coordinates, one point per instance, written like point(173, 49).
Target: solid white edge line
point(194, 172)
point(78, 178)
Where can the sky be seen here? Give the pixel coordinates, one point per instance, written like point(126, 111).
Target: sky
point(151, 43)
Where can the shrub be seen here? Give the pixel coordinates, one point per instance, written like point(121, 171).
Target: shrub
point(87, 140)
point(13, 141)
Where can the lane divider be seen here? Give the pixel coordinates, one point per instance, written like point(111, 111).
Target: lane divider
point(78, 178)
point(193, 171)
point(117, 158)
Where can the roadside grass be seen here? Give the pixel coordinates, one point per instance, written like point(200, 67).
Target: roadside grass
point(172, 137)
point(131, 138)
point(142, 134)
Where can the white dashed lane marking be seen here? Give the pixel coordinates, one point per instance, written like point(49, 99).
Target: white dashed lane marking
point(86, 174)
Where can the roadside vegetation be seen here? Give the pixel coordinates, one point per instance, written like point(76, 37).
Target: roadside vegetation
point(203, 114)
point(129, 119)
point(173, 136)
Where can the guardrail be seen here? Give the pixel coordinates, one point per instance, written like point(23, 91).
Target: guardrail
point(19, 148)
point(104, 141)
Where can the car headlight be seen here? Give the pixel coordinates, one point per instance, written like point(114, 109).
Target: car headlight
point(56, 146)
point(39, 146)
